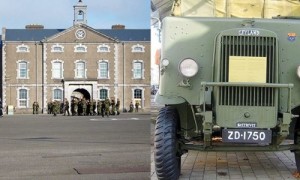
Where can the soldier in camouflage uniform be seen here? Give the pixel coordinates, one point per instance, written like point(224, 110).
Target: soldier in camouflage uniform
point(118, 106)
point(84, 106)
point(94, 107)
point(34, 107)
point(102, 108)
point(113, 107)
point(72, 107)
point(49, 107)
point(98, 107)
point(75, 106)
point(56, 108)
point(88, 105)
point(37, 108)
point(137, 104)
point(79, 111)
point(131, 107)
point(107, 105)
point(66, 107)
point(91, 108)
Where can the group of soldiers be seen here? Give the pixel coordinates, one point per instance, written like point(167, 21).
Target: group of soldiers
point(55, 107)
point(131, 107)
point(35, 107)
point(84, 107)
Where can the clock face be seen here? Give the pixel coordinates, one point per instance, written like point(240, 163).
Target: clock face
point(80, 34)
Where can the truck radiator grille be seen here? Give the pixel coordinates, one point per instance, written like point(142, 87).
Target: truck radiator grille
point(247, 96)
point(251, 47)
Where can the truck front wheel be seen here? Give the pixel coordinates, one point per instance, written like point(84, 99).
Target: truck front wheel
point(166, 156)
point(297, 142)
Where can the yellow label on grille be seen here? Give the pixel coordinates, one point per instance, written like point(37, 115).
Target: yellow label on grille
point(247, 69)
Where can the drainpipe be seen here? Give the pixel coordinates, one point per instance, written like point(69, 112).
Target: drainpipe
point(43, 81)
point(36, 72)
point(123, 76)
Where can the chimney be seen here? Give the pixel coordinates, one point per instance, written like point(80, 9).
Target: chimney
point(3, 33)
point(118, 26)
point(34, 26)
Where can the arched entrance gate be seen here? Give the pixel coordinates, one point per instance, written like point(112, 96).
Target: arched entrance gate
point(79, 89)
point(80, 93)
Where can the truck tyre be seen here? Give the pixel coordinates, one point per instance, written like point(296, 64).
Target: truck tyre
point(167, 159)
point(297, 142)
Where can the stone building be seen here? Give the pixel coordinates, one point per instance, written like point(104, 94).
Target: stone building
point(44, 65)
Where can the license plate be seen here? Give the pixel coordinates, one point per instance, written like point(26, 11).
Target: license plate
point(247, 136)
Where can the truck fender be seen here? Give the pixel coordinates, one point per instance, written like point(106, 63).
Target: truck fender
point(168, 99)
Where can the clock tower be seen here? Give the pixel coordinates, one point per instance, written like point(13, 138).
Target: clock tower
point(80, 10)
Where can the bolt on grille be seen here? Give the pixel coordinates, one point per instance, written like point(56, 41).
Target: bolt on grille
point(251, 47)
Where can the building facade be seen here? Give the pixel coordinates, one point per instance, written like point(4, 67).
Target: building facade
point(43, 65)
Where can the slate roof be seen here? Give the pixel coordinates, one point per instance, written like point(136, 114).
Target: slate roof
point(40, 34)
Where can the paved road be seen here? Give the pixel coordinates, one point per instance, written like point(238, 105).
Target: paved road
point(67, 147)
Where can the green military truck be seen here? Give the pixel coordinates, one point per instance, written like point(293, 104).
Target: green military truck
point(228, 84)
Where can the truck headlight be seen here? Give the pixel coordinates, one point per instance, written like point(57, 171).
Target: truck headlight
point(165, 62)
point(298, 71)
point(188, 67)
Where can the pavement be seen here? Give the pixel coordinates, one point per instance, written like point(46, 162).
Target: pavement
point(230, 165)
point(234, 165)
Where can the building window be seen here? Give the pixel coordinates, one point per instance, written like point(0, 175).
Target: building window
point(138, 94)
point(57, 69)
point(80, 69)
point(23, 98)
point(103, 94)
point(23, 48)
point(57, 48)
point(138, 70)
point(57, 95)
point(138, 48)
point(103, 69)
point(80, 48)
point(22, 69)
point(103, 48)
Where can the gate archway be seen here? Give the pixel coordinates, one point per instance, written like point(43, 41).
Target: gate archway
point(81, 93)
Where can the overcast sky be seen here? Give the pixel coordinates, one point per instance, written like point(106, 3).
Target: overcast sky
point(59, 14)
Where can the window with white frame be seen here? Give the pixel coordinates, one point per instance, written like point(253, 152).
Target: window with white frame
point(80, 69)
point(103, 94)
point(23, 97)
point(23, 48)
point(57, 69)
point(80, 48)
point(138, 48)
point(57, 94)
point(103, 69)
point(22, 69)
point(138, 94)
point(138, 69)
point(103, 48)
point(57, 48)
